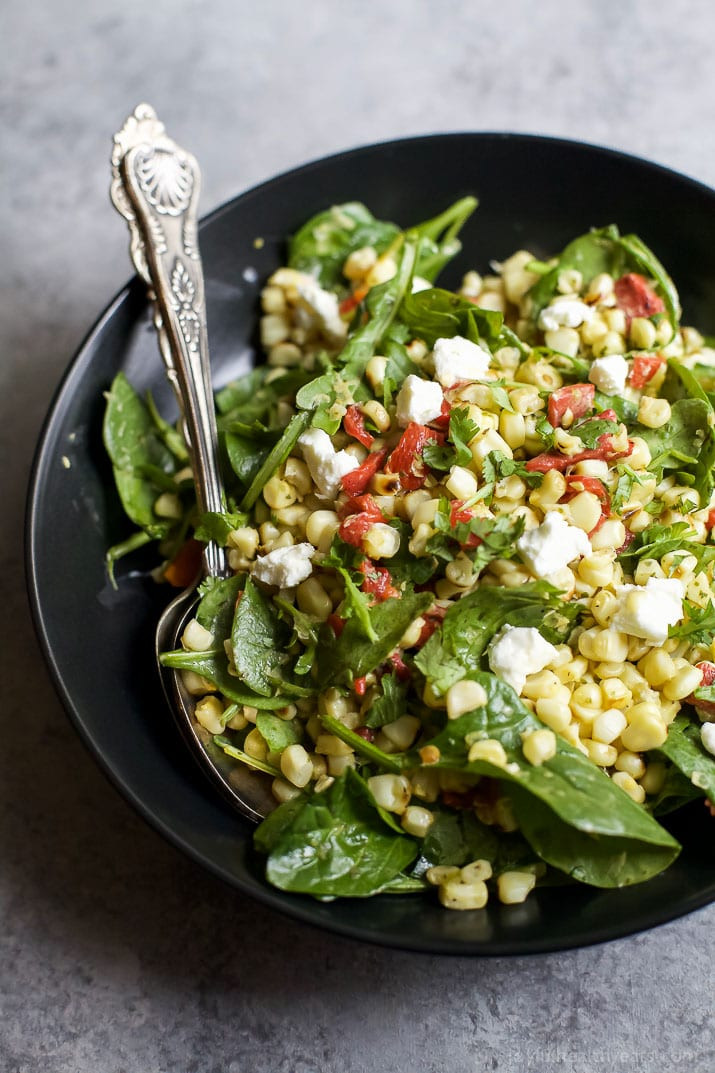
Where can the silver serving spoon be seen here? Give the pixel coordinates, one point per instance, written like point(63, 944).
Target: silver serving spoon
point(155, 186)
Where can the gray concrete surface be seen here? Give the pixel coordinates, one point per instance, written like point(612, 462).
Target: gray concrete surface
point(117, 955)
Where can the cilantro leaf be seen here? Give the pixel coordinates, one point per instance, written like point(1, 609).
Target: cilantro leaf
point(698, 627)
point(390, 705)
point(589, 432)
point(497, 465)
point(462, 431)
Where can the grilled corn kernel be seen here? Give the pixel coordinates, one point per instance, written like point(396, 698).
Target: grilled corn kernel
point(321, 527)
point(629, 785)
point(196, 638)
point(489, 750)
point(457, 895)
point(417, 821)
point(391, 792)
point(463, 697)
point(539, 746)
point(381, 541)
point(514, 887)
point(682, 684)
point(461, 483)
point(296, 765)
point(208, 713)
point(653, 413)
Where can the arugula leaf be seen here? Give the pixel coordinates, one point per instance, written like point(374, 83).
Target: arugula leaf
point(698, 627)
point(573, 816)
point(216, 526)
point(258, 640)
point(324, 242)
point(659, 540)
point(390, 705)
point(344, 658)
point(333, 844)
point(685, 750)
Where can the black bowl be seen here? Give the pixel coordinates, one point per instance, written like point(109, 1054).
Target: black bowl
point(535, 193)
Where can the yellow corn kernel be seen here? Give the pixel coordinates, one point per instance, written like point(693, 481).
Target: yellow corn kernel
point(330, 745)
point(321, 527)
point(457, 895)
point(653, 413)
point(483, 444)
point(608, 725)
point(476, 871)
point(640, 456)
point(245, 540)
point(646, 730)
point(632, 763)
point(278, 493)
point(596, 569)
point(463, 697)
point(603, 644)
point(273, 300)
point(542, 684)
point(654, 777)
point(554, 713)
point(514, 887)
point(338, 765)
point(208, 713)
point(682, 684)
point(254, 744)
point(539, 746)
point(512, 428)
point(657, 667)
point(573, 671)
point(612, 534)
point(417, 821)
point(599, 753)
point(571, 735)
point(615, 693)
point(425, 784)
point(312, 598)
point(461, 483)
point(296, 765)
point(642, 333)
point(402, 731)
point(610, 343)
point(195, 684)
point(441, 873)
point(585, 511)
point(490, 750)
point(629, 785)
point(587, 701)
point(196, 638)
point(526, 400)
point(391, 792)
point(168, 505)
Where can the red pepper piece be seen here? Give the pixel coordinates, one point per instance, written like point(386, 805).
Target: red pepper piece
point(552, 460)
point(636, 297)
point(443, 420)
point(360, 686)
point(378, 581)
point(336, 623)
point(707, 669)
point(711, 519)
point(577, 484)
point(399, 666)
point(356, 481)
point(353, 300)
point(184, 567)
point(644, 368)
point(354, 425)
point(367, 733)
point(354, 527)
point(576, 398)
point(406, 458)
point(432, 618)
point(459, 513)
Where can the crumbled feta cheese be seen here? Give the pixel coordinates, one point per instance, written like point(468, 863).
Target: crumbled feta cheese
point(609, 374)
point(646, 611)
point(459, 359)
point(323, 305)
point(564, 313)
point(552, 545)
point(420, 284)
point(418, 400)
point(285, 567)
point(518, 651)
point(326, 465)
point(707, 737)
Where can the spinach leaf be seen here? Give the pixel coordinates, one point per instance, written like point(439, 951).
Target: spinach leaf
point(342, 659)
point(276, 457)
point(258, 640)
point(246, 455)
point(135, 448)
point(573, 816)
point(439, 242)
point(702, 470)
point(685, 750)
point(676, 445)
point(437, 314)
point(278, 733)
point(391, 703)
point(440, 668)
point(324, 242)
point(456, 838)
point(173, 439)
point(372, 753)
point(218, 605)
point(333, 844)
point(249, 402)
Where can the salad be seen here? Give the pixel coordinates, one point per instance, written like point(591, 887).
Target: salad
point(469, 633)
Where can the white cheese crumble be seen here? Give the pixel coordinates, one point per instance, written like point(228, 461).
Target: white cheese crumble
point(323, 305)
point(459, 359)
point(326, 465)
point(285, 567)
point(418, 400)
point(552, 545)
point(707, 737)
point(609, 374)
point(646, 611)
point(518, 651)
point(420, 284)
point(564, 313)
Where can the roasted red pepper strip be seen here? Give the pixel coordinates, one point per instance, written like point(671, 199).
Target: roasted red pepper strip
point(432, 618)
point(356, 481)
point(576, 398)
point(354, 425)
point(711, 519)
point(707, 670)
point(459, 513)
point(576, 483)
point(399, 666)
point(644, 368)
point(406, 458)
point(636, 297)
point(552, 460)
point(353, 300)
point(443, 420)
point(378, 581)
point(360, 686)
point(354, 527)
point(336, 623)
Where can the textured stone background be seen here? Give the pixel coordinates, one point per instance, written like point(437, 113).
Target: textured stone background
point(117, 955)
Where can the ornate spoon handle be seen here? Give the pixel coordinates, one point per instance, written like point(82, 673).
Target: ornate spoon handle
point(155, 187)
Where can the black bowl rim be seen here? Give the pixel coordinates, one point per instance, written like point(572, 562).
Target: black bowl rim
point(63, 393)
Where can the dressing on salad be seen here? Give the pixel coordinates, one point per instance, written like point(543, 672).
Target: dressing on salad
point(469, 631)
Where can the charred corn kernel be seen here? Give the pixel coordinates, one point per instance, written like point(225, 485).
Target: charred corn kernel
point(539, 746)
point(490, 750)
point(461, 483)
point(296, 766)
point(391, 792)
point(476, 871)
point(195, 684)
point(330, 745)
point(563, 340)
point(615, 693)
point(460, 571)
point(642, 333)
point(654, 777)
point(377, 414)
point(682, 684)
point(168, 505)
point(513, 429)
point(278, 493)
point(417, 821)
point(381, 541)
point(424, 513)
point(275, 328)
point(457, 895)
point(596, 569)
point(321, 527)
point(653, 413)
point(208, 713)
point(526, 400)
point(254, 744)
point(633, 764)
point(657, 667)
point(385, 484)
point(196, 638)
point(612, 534)
point(587, 701)
point(414, 499)
point(441, 873)
point(488, 441)
point(603, 644)
point(375, 371)
point(463, 697)
point(585, 510)
point(610, 343)
point(554, 713)
point(402, 731)
point(514, 887)
point(646, 730)
point(607, 726)
point(418, 542)
point(312, 598)
point(629, 785)
point(338, 765)
point(273, 300)
point(359, 262)
point(599, 753)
